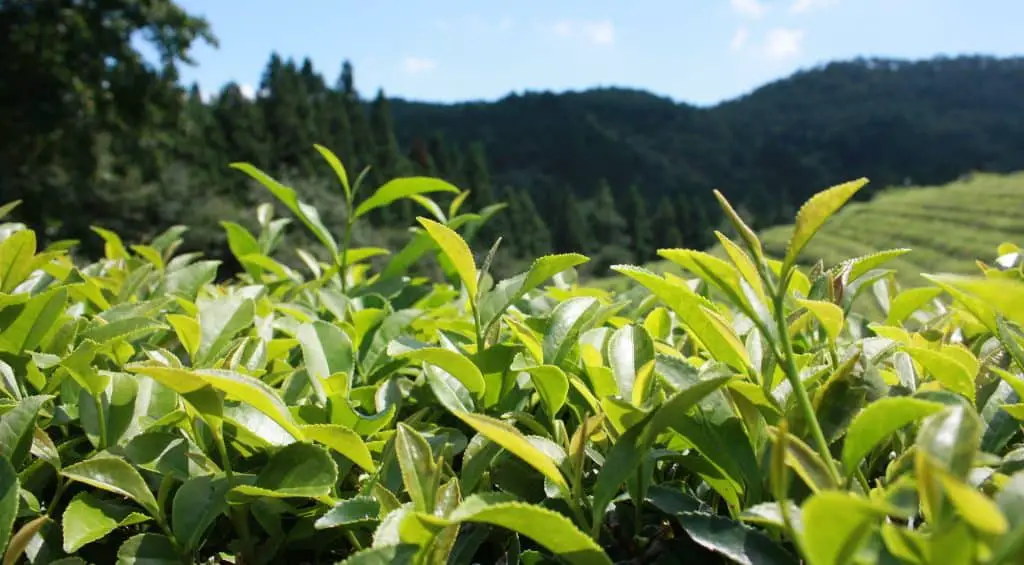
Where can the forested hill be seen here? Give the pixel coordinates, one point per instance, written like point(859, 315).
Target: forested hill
point(96, 136)
point(896, 122)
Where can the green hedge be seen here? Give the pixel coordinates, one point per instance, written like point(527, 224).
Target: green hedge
point(342, 413)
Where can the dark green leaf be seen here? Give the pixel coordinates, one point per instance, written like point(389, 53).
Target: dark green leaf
point(9, 485)
point(297, 470)
point(16, 429)
point(734, 540)
point(197, 504)
point(358, 510)
point(147, 549)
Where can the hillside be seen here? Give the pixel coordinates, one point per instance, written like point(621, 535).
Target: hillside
point(947, 228)
point(896, 122)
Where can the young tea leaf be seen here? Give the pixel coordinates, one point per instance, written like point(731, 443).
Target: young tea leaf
point(814, 213)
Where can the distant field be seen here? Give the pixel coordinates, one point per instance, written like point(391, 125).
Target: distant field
point(947, 228)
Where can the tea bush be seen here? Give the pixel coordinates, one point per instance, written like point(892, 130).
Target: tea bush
point(341, 413)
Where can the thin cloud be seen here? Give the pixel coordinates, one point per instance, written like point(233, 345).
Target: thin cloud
point(473, 24)
point(418, 65)
point(739, 39)
point(802, 6)
point(748, 8)
point(783, 43)
point(247, 91)
point(599, 32)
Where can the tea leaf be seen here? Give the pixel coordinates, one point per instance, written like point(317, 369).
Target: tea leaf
point(357, 510)
point(16, 429)
point(419, 471)
point(402, 188)
point(87, 519)
point(114, 475)
point(946, 369)
point(835, 524)
point(629, 349)
point(147, 549)
point(299, 470)
point(877, 421)
point(516, 443)
point(813, 214)
point(9, 486)
point(343, 440)
point(197, 504)
point(306, 213)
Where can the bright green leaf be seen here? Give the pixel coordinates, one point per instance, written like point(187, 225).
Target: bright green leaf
point(814, 213)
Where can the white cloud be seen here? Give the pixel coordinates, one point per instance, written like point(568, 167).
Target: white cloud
point(248, 91)
point(748, 8)
point(473, 24)
point(418, 65)
point(739, 39)
point(783, 43)
point(600, 32)
point(801, 6)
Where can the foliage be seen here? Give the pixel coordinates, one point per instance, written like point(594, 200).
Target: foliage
point(345, 413)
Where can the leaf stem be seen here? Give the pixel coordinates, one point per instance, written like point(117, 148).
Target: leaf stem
point(101, 417)
point(62, 485)
point(239, 514)
point(350, 221)
point(789, 365)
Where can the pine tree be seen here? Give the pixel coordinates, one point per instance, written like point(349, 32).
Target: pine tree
point(666, 230)
point(639, 225)
point(478, 180)
point(289, 125)
point(244, 132)
point(338, 131)
point(386, 158)
point(609, 227)
point(441, 155)
point(538, 241)
point(573, 233)
point(362, 136)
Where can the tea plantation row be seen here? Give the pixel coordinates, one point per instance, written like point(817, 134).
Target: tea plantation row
point(740, 413)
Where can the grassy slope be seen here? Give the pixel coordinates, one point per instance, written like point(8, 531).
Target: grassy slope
point(947, 228)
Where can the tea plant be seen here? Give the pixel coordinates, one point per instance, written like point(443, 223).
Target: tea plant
point(357, 415)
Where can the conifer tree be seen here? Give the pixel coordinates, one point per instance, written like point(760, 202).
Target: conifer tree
point(666, 229)
point(574, 234)
point(639, 225)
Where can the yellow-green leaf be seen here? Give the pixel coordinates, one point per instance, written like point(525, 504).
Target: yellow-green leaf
point(978, 510)
point(1003, 295)
point(343, 440)
point(946, 369)
point(187, 330)
point(693, 312)
point(814, 213)
point(880, 419)
point(507, 436)
point(455, 248)
point(337, 166)
point(401, 188)
point(834, 525)
point(828, 314)
point(452, 362)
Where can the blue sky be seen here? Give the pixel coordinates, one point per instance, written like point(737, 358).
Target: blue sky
point(698, 51)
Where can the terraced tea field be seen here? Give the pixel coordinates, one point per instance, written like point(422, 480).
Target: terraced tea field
point(948, 228)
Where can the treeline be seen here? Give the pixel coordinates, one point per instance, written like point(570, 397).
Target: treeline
point(94, 135)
